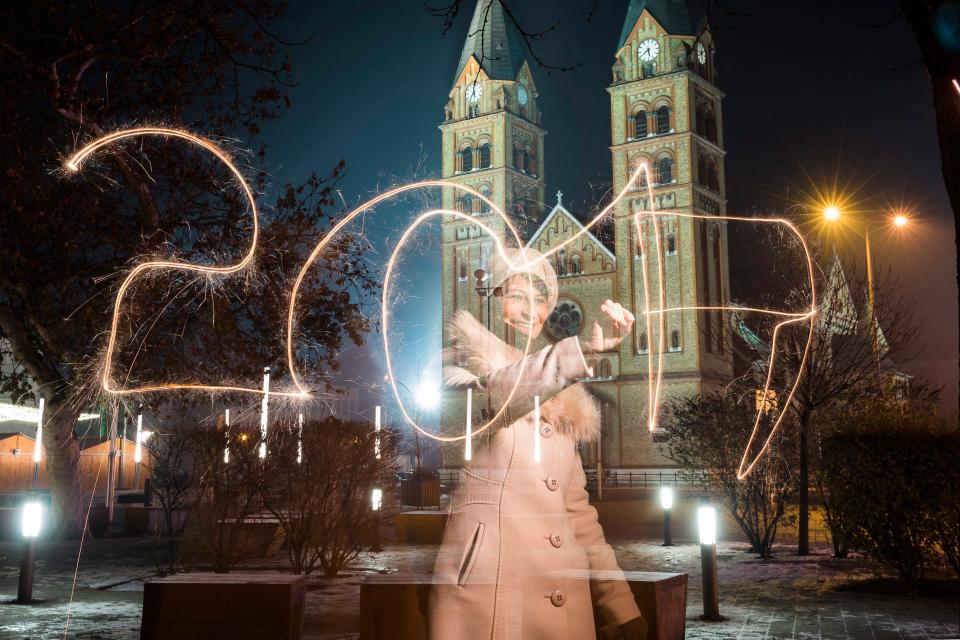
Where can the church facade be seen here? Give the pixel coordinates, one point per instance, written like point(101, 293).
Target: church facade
point(665, 110)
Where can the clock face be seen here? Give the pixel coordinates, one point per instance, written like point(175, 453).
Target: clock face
point(474, 91)
point(522, 95)
point(649, 50)
point(701, 53)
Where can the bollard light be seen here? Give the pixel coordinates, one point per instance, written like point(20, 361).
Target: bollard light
point(707, 520)
point(32, 522)
point(31, 527)
point(666, 501)
point(376, 499)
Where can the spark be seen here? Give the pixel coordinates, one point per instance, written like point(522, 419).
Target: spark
point(650, 313)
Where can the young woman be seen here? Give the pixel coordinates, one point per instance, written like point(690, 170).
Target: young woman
point(523, 556)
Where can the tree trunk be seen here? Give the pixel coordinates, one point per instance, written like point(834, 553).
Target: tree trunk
point(62, 453)
point(944, 69)
point(803, 525)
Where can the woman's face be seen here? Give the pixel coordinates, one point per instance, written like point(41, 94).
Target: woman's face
point(517, 308)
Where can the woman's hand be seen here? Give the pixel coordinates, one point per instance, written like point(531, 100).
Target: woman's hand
point(622, 321)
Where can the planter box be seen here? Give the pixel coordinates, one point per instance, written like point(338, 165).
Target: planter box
point(139, 520)
point(201, 606)
point(395, 606)
point(420, 527)
point(420, 492)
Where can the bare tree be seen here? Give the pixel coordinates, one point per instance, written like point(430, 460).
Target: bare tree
point(324, 501)
point(708, 433)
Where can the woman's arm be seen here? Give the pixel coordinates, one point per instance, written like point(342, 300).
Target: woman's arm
point(543, 373)
point(611, 593)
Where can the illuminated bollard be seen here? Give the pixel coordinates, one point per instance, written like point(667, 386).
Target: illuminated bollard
point(707, 520)
point(32, 525)
point(666, 501)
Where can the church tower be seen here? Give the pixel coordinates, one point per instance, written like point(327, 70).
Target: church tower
point(665, 109)
point(492, 141)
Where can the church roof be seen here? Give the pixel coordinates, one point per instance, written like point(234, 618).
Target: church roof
point(671, 14)
point(494, 40)
point(559, 209)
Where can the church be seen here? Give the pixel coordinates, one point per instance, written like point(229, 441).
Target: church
point(665, 110)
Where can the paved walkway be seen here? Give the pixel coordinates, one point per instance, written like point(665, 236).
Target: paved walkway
point(787, 597)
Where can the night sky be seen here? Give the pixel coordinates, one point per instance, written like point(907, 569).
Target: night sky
point(813, 97)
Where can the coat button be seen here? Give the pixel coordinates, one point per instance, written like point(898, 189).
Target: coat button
point(546, 429)
point(552, 483)
point(556, 540)
point(557, 598)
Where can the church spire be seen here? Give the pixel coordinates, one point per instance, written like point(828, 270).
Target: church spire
point(672, 15)
point(494, 40)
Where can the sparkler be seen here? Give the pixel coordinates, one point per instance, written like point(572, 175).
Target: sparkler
point(38, 446)
point(376, 432)
point(300, 438)
point(468, 442)
point(536, 428)
point(651, 313)
point(138, 447)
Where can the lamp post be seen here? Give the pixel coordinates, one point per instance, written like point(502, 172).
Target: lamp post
point(666, 501)
point(707, 521)
point(485, 291)
point(31, 526)
point(137, 449)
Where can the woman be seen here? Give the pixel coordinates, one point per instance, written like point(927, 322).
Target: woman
point(522, 539)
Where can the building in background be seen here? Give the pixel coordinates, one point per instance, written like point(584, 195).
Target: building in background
point(665, 109)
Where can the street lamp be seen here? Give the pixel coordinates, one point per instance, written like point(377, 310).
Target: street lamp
point(31, 526)
point(707, 520)
point(666, 501)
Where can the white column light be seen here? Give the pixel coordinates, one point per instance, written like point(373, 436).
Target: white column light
point(666, 497)
point(226, 445)
point(264, 408)
point(468, 441)
point(376, 431)
point(32, 523)
point(38, 445)
point(536, 428)
point(137, 450)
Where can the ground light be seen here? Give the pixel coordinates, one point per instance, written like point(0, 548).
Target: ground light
point(666, 501)
point(707, 521)
point(31, 526)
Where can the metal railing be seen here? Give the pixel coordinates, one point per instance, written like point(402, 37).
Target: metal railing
point(612, 478)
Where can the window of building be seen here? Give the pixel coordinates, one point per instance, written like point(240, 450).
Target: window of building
point(466, 203)
point(529, 161)
point(665, 170)
point(575, 265)
point(671, 245)
point(640, 124)
point(648, 69)
point(462, 267)
point(663, 119)
point(466, 159)
point(518, 157)
point(561, 262)
point(642, 345)
point(485, 155)
point(674, 340)
point(488, 194)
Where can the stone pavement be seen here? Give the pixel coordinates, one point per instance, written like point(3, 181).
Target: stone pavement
point(787, 597)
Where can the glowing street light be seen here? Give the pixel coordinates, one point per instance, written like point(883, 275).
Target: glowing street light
point(900, 220)
point(831, 213)
point(666, 501)
point(31, 527)
point(428, 396)
point(707, 521)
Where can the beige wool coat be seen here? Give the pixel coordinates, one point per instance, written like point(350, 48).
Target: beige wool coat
point(522, 538)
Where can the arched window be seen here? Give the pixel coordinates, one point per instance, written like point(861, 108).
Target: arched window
point(674, 340)
point(466, 159)
point(671, 245)
point(485, 155)
point(664, 170)
point(642, 342)
point(701, 169)
point(663, 119)
point(466, 203)
point(529, 161)
point(710, 125)
point(640, 124)
point(719, 300)
point(562, 262)
point(518, 157)
point(575, 264)
point(488, 194)
point(462, 267)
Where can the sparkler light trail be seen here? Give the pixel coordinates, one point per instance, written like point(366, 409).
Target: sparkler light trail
point(651, 313)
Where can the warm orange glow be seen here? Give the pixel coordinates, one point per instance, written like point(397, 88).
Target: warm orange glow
point(654, 371)
point(831, 213)
point(900, 220)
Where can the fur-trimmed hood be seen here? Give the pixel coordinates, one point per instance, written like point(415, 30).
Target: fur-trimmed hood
point(573, 411)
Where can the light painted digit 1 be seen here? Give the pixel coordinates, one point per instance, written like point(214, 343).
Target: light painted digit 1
point(468, 441)
point(536, 428)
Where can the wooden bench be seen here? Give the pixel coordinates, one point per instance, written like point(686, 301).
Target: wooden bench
point(238, 606)
point(394, 606)
point(420, 527)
